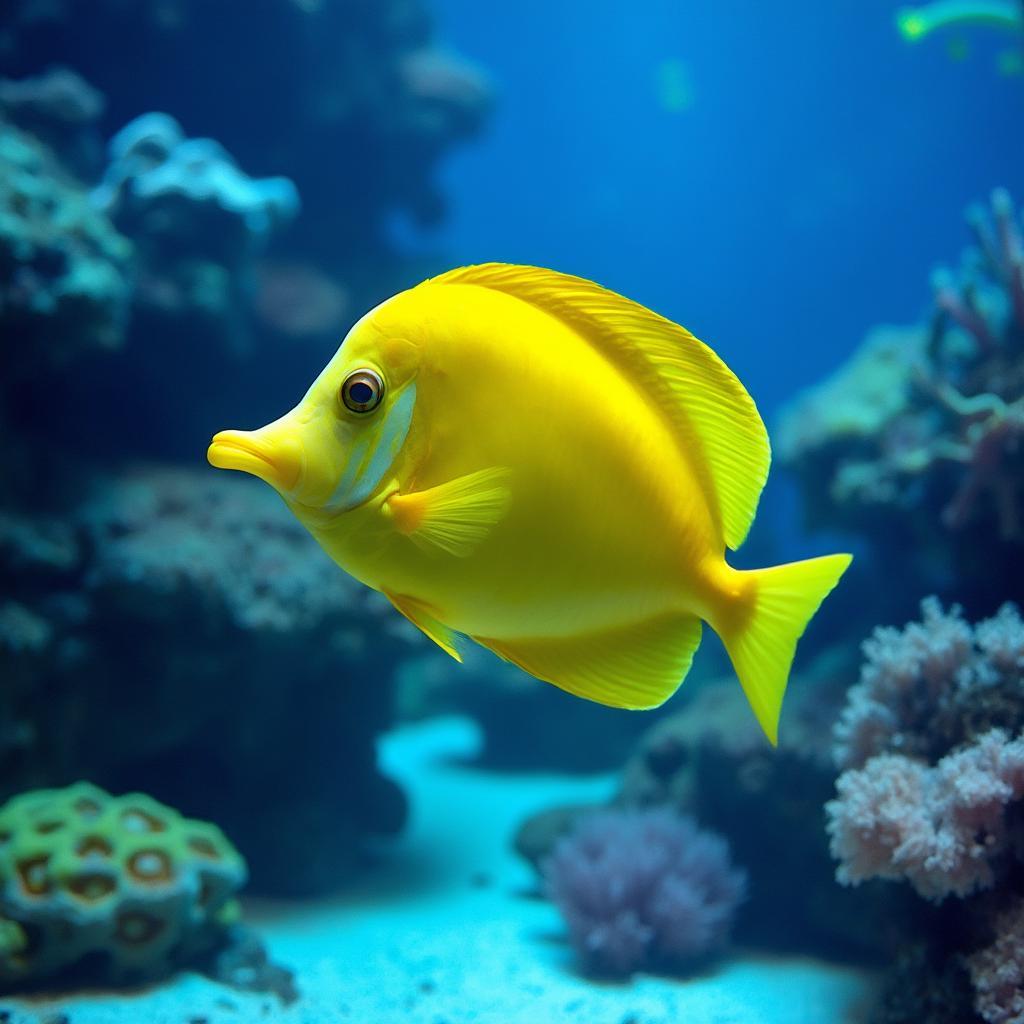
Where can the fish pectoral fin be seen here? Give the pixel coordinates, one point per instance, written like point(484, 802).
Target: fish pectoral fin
point(421, 616)
point(637, 666)
point(455, 516)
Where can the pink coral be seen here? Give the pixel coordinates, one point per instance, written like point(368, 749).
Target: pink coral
point(940, 828)
point(914, 677)
point(997, 971)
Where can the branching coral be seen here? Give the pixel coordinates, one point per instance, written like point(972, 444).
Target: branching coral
point(643, 889)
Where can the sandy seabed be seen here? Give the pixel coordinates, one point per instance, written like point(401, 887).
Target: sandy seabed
point(445, 931)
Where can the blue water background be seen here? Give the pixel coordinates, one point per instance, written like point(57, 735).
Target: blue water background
point(819, 175)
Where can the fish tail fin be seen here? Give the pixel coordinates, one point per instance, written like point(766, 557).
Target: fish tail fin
point(774, 607)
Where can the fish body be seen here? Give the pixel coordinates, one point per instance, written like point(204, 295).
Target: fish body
point(551, 470)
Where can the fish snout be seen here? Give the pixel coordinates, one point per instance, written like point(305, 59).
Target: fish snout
point(273, 453)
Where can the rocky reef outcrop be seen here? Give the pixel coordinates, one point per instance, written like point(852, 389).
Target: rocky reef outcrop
point(161, 628)
point(917, 443)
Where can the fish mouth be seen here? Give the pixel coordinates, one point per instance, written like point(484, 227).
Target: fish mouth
point(275, 461)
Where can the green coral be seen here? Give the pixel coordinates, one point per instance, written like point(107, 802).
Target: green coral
point(125, 879)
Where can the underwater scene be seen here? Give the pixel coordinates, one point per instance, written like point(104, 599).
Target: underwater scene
point(511, 513)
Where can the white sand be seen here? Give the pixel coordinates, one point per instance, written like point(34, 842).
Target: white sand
point(442, 932)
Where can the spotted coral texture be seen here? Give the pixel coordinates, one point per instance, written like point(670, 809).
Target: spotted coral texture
point(85, 873)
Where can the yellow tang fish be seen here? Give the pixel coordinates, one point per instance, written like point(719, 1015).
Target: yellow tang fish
point(542, 465)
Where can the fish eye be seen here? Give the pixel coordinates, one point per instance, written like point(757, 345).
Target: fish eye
point(362, 391)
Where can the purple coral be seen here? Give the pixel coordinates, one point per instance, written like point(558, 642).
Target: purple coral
point(939, 828)
point(643, 888)
point(997, 971)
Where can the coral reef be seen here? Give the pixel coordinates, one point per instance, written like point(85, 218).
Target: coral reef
point(123, 881)
point(158, 629)
point(643, 889)
point(60, 108)
point(363, 111)
point(997, 971)
point(265, 678)
point(941, 828)
point(946, 433)
point(64, 286)
point(931, 794)
point(188, 194)
point(707, 759)
point(933, 685)
point(197, 220)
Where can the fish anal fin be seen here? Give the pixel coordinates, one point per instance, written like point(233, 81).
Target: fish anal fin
point(455, 516)
point(421, 616)
point(708, 410)
point(637, 666)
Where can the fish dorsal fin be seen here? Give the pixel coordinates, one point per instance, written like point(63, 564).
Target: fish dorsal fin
point(707, 408)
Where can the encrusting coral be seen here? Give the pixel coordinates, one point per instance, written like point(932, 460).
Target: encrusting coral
point(643, 889)
point(123, 881)
point(948, 433)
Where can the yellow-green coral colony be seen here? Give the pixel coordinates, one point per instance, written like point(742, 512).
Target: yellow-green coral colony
point(85, 873)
